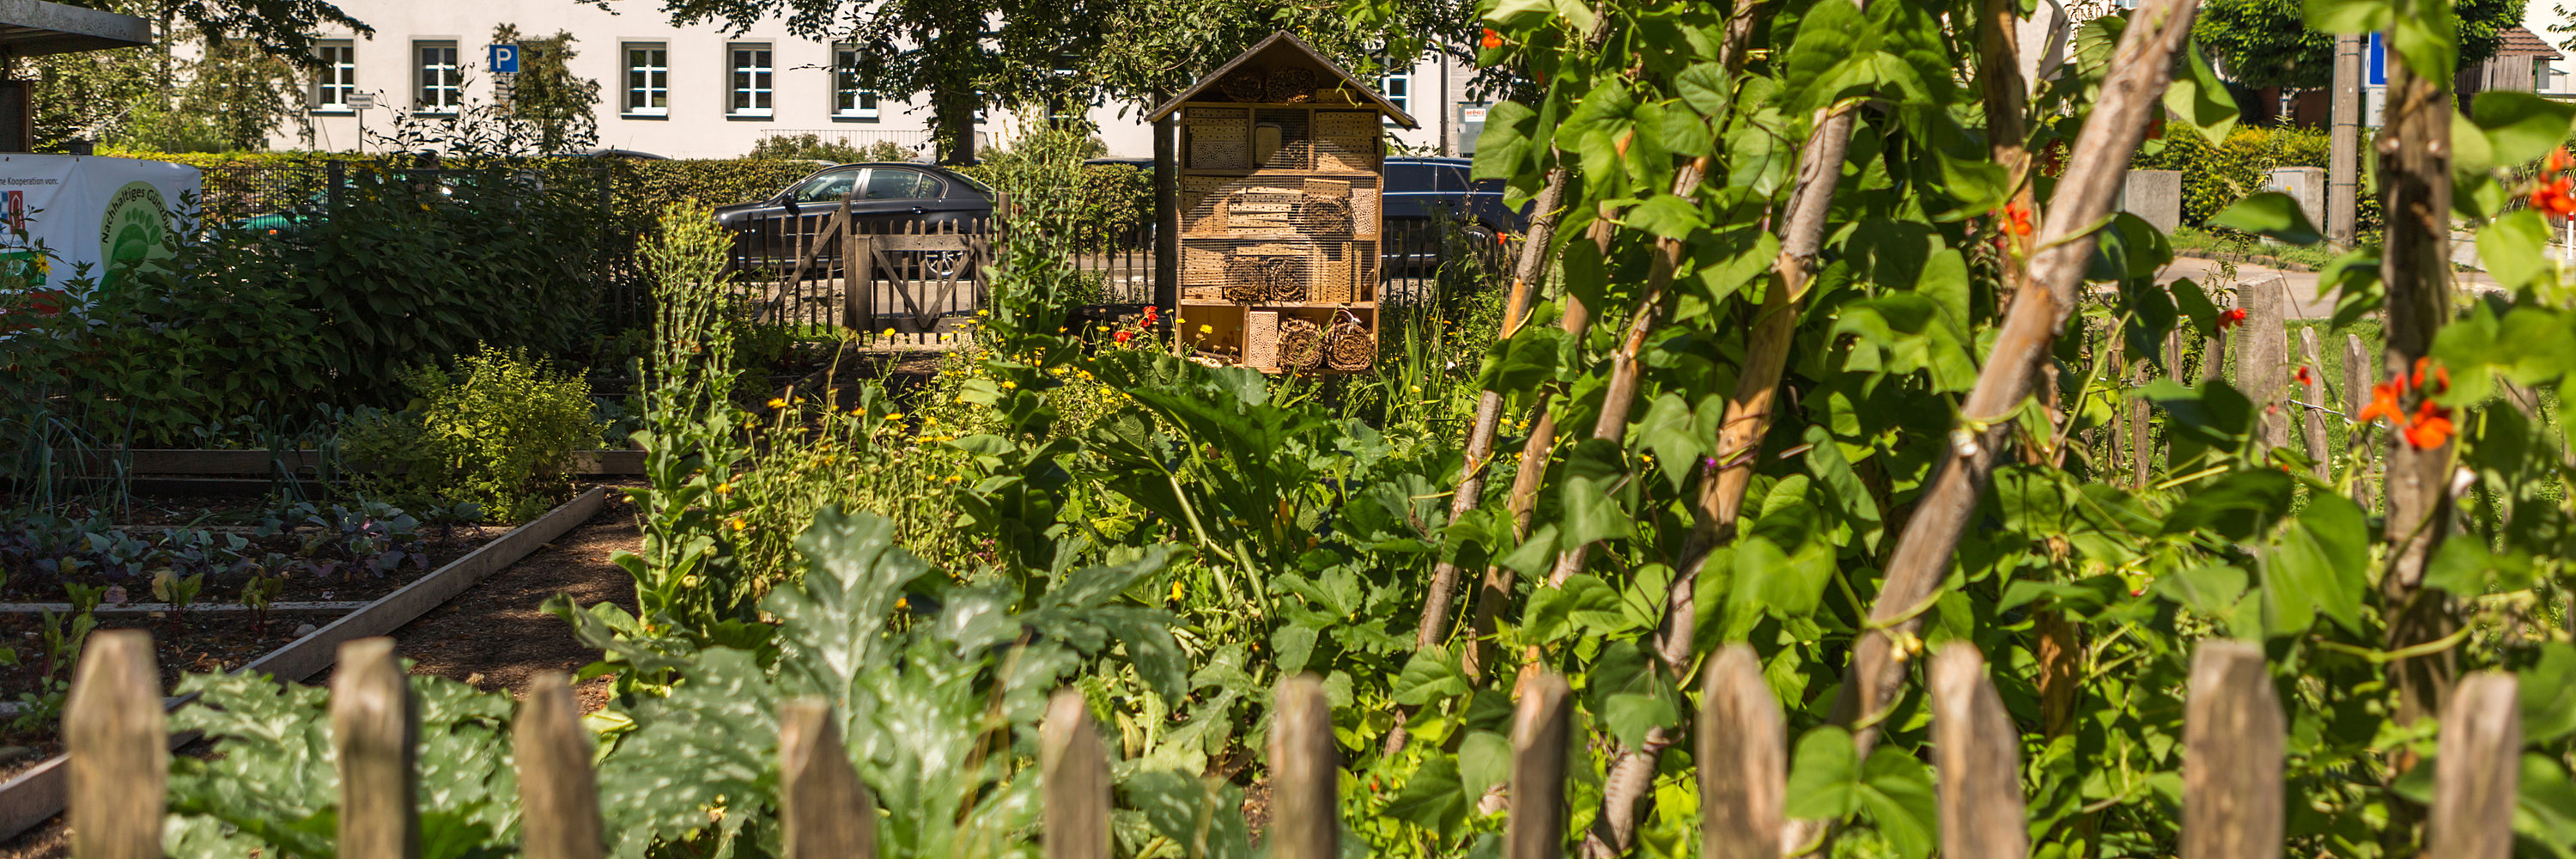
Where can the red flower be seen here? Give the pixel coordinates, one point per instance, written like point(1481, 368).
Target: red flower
point(2557, 162)
point(2431, 427)
point(2555, 198)
point(1492, 39)
point(2232, 318)
point(1122, 337)
point(1150, 312)
point(2303, 377)
point(2017, 219)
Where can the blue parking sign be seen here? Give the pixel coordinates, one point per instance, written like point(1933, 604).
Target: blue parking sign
point(2375, 62)
point(505, 59)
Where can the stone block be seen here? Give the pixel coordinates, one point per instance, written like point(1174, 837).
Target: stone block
point(2154, 195)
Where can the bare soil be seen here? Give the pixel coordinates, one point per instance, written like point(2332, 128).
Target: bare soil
point(494, 636)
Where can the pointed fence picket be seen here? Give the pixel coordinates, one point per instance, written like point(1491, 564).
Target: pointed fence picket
point(2232, 778)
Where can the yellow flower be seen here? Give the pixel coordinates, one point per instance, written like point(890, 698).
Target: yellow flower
point(1009, 385)
point(889, 332)
point(737, 523)
point(1176, 590)
point(1207, 329)
point(724, 489)
point(900, 604)
point(895, 416)
point(777, 403)
point(983, 313)
point(951, 479)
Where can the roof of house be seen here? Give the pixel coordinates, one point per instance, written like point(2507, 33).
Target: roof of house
point(1283, 48)
point(33, 28)
point(2521, 42)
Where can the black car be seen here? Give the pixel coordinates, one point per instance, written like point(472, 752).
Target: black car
point(889, 198)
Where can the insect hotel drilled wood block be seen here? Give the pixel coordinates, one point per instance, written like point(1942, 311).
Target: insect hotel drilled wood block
point(1282, 165)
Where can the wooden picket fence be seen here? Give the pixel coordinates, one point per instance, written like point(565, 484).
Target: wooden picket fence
point(2232, 779)
point(2291, 411)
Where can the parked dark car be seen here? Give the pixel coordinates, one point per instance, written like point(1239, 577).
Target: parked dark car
point(889, 198)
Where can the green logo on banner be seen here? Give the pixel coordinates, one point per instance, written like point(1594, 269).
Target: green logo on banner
point(135, 230)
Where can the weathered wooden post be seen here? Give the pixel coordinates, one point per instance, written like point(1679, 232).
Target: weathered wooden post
point(2262, 359)
point(1539, 729)
point(558, 794)
point(2312, 390)
point(376, 731)
point(2356, 396)
point(1305, 771)
point(2231, 772)
point(823, 810)
point(1074, 770)
point(1978, 758)
point(120, 758)
point(2478, 772)
point(1743, 759)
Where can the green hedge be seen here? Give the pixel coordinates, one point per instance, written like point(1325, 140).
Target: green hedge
point(2215, 177)
point(643, 188)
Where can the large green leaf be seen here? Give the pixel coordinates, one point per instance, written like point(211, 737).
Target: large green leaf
point(2201, 99)
point(2521, 127)
point(2271, 214)
point(2317, 565)
point(1824, 776)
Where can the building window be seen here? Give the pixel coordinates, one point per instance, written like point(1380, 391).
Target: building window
point(1397, 86)
point(648, 79)
point(442, 84)
point(849, 100)
point(752, 77)
point(337, 78)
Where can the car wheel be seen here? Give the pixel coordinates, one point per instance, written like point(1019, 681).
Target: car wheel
point(945, 265)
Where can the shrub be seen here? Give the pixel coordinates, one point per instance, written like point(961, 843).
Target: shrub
point(2215, 177)
point(500, 431)
point(643, 188)
point(813, 147)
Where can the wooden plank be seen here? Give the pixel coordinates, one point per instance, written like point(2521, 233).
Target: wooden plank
point(1743, 759)
point(65, 608)
point(823, 810)
point(1074, 771)
point(2231, 767)
point(558, 794)
point(375, 731)
point(1305, 773)
point(262, 463)
point(2312, 422)
point(914, 242)
point(1539, 727)
point(1977, 754)
point(120, 763)
point(312, 653)
point(2477, 773)
point(37, 794)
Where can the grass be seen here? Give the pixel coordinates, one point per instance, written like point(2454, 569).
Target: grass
point(2188, 240)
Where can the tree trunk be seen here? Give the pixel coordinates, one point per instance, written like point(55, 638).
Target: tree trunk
point(2415, 180)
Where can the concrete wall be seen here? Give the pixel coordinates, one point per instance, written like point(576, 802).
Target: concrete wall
point(698, 124)
point(2155, 196)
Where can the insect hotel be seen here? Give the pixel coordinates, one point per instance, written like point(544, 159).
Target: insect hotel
point(1281, 160)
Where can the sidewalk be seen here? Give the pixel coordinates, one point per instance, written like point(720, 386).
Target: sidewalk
point(2304, 301)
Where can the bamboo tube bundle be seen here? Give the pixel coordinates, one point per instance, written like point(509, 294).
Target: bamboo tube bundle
point(1301, 343)
point(1324, 215)
point(1292, 85)
point(1243, 85)
point(1348, 346)
point(1251, 279)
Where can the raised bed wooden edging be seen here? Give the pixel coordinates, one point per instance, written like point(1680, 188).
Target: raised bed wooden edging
point(37, 794)
point(262, 463)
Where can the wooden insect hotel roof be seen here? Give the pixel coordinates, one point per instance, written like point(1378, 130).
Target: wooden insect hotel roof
point(1284, 51)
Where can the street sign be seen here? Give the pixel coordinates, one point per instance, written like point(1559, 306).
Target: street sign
point(2375, 63)
point(505, 59)
point(361, 101)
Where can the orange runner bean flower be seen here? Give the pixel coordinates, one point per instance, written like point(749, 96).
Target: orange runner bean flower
point(2431, 427)
point(1492, 39)
point(2383, 404)
point(2232, 318)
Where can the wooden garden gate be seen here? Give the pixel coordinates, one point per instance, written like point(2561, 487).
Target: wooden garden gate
point(840, 269)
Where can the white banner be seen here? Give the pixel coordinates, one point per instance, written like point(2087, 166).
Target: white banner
point(91, 217)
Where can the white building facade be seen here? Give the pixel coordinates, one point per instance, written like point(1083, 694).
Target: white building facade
point(699, 92)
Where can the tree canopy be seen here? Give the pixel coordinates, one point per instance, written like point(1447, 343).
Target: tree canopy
point(2266, 43)
point(966, 55)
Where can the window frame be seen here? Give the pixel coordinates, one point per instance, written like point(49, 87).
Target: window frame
point(340, 75)
point(850, 101)
point(657, 81)
point(1387, 87)
point(745, 82)
point(453, 84)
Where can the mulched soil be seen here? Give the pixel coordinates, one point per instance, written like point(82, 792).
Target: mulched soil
point(493, 636)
